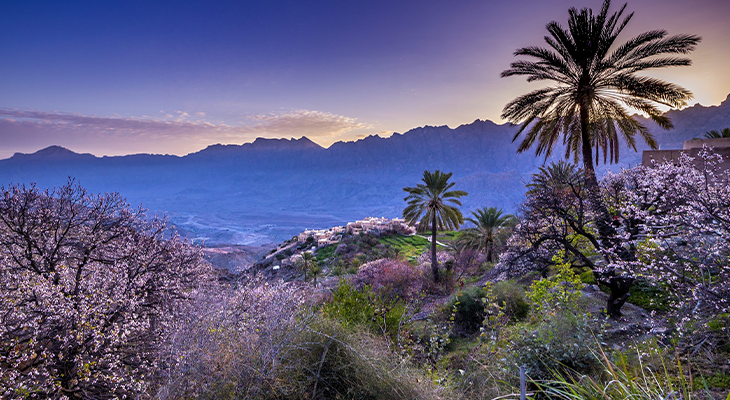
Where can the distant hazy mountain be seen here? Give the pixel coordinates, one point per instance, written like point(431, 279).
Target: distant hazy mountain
point(272, 188)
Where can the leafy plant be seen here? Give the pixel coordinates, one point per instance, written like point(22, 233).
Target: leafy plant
point(557, 293)
point(561, 342)
point(622, 382)
point(362, 307)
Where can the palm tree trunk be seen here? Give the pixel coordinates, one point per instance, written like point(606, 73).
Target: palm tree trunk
point(489, 243)
point(434, 260)
point(606, 232)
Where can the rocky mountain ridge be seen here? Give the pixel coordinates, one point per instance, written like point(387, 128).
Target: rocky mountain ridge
point(273, 188)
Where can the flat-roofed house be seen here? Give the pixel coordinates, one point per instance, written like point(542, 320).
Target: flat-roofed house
point(692, 148)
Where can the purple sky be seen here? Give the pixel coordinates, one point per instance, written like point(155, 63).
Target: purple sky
point(173, 77)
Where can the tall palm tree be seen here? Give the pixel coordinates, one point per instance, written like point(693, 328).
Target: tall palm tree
point(725, 133)
point(433, 204)
point(595, 83)
point(488, 222)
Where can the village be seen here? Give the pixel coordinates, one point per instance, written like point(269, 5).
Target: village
point(312, 239)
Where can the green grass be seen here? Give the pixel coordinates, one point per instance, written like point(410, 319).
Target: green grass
point(409, 246)
point(325, 253)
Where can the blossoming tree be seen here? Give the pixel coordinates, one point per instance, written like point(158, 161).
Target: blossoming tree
point(87, 286)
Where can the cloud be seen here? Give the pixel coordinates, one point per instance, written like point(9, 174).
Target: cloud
point(190, 131)
point(309, 123)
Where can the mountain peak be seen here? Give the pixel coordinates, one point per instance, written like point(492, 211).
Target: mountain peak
point(284, 144)
point(53, 153)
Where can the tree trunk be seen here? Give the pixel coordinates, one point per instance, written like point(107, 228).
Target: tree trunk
point(606, 232)
point(490, 248)
point(434, 260)
point(619, 286)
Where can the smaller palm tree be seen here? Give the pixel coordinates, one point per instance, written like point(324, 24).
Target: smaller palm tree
point(306, 263)
point(725, 133)
point(433, 205)
point(483, 237)
point(557, 176)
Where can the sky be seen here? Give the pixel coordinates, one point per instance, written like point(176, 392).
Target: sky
point(172, 77)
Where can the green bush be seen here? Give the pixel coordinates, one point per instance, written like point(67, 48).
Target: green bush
point(559, 343)
point(468, 310)
point(587, 277)
point(354, 308)
point(512, 297)
point(557, 293)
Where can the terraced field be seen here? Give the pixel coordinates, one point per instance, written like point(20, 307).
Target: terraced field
point(409, 246)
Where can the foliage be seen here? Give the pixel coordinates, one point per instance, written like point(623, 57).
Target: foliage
point(595, 81)
point(260, 341)
point(622, 382)
point(485, 236)
point(558, 293)
point(433, 205)
point(354, 250)
point(340, 364)
point(390, 278)
point(555, 217)
point(468, 310)
point(560, 342)
point(649, 295)
point(494, 318)
point(235, 342)
point(325, 253)
point(512, 298)
point(587, 277)
point(307, 265)
point(354, 307)
point(682, 211)
point(670, 219)
point(88, 286)
point(725, 133)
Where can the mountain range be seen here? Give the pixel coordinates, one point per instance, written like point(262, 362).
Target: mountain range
point(271, 189)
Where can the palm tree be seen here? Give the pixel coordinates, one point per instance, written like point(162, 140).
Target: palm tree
point(557, 176)
point(725, 133)
point(306, 262)
point(432, 204)
point(488, 222)
point(596, 82)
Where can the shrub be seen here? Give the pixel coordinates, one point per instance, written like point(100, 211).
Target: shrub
point(512, 297)
point(334, 363)
point(260, 341)
point(587, 277)
point(354, 307)
point(468, 310)
point(391, 278)
point(559, 343)
point(234, 342)
point(560, 292)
